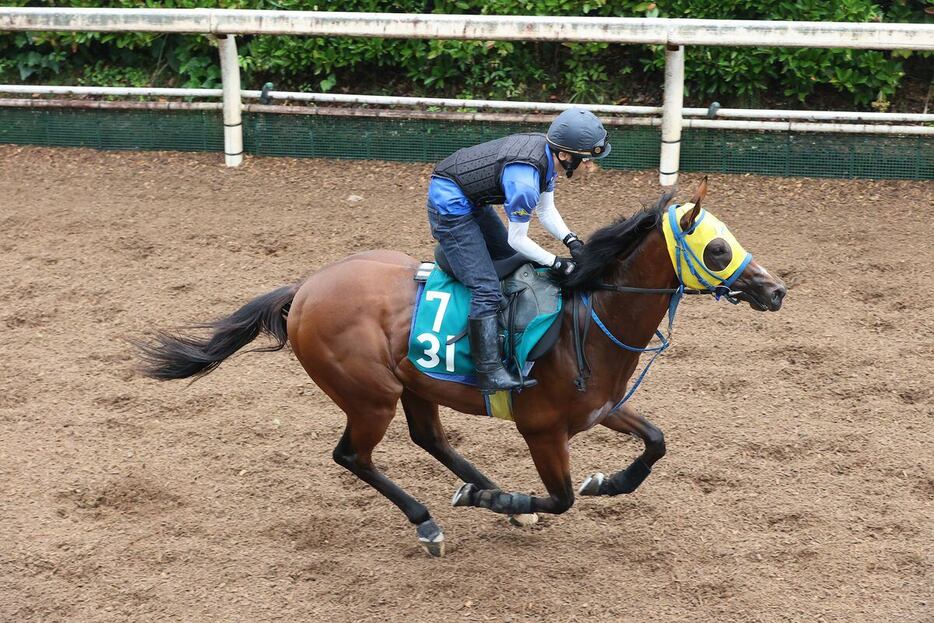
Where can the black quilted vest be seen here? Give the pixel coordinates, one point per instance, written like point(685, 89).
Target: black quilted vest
point(477, 170)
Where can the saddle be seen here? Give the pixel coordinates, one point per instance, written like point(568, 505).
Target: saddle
point(529, 293)
point(504, 267)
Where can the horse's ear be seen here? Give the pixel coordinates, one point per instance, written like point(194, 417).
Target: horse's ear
point(701, 192)
point(691, 215)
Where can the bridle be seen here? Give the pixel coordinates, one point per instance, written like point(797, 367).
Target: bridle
point(717, 292)
point(694, 264)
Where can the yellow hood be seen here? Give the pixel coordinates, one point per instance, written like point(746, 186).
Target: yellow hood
point(686, 249)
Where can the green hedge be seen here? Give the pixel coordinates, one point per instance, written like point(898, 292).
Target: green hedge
point(591, 72)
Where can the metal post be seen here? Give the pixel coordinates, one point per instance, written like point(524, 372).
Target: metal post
point(672, 116)
point(233, 125)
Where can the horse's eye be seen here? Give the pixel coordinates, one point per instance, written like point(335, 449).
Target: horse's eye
point(717, 254)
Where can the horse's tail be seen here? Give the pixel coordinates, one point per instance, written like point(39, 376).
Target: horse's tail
point(176, 356)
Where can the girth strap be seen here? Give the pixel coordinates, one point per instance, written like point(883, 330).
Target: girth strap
point(580, 339)
point(510, 348)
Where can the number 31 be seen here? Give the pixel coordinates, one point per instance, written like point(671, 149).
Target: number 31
point(431, 359)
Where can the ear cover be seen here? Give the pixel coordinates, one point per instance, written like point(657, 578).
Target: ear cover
point(686, 249)
point(691, 207)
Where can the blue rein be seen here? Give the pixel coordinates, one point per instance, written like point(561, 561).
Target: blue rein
point(665, 340)
point(682, 249)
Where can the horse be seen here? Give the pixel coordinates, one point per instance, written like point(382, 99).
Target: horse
point(348, 325)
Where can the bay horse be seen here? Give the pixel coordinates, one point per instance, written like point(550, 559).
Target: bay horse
point(348, 324)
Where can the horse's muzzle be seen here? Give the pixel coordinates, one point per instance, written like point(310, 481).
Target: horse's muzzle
point(761, 290)
point(778, 295)
point(768, 301)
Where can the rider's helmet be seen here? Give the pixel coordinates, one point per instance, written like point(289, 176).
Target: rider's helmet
point(578, 132)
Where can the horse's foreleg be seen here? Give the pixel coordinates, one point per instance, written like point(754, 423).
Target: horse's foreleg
point(626, 420)
point(550, 454)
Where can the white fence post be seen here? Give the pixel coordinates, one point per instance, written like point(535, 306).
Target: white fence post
point(670, 159)
point(233, 124)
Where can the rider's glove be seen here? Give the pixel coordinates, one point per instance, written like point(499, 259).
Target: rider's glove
point(563, 266)
point(575, 245)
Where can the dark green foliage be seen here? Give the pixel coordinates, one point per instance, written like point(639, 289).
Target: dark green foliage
point(586, 72)
point(867, 76)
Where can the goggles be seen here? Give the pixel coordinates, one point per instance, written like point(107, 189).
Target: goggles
point(601, 149)
point(687, 250)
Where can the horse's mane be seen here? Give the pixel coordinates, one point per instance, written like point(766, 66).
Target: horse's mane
point(611, 243)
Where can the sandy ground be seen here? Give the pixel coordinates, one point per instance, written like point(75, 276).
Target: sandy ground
point(798, 484)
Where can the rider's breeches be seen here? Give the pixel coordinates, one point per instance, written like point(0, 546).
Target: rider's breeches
point(469, 242)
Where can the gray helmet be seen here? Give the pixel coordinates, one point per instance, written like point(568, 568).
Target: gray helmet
point(578, 132)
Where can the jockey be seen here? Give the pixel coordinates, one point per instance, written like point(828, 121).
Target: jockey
point(519, 172)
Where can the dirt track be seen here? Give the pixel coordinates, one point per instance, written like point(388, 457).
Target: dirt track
point(798, 485)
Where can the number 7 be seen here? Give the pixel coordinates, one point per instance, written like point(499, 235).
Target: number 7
point(444, 297)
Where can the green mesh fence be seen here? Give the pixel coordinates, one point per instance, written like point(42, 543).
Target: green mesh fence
point(410, 140)
point(634, 147)
point(181, 130)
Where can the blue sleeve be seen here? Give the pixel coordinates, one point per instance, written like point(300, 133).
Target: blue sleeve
point(446, 197)
point(520, 185)
point(550, 172)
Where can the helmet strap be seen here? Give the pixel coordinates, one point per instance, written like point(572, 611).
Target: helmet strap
point(570, 164)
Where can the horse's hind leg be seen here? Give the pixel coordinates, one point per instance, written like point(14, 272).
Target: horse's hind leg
point(354, 451)
point(426, 431)
point(628, 421)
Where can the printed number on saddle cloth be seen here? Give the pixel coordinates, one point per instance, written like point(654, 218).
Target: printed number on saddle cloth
point(431, 341)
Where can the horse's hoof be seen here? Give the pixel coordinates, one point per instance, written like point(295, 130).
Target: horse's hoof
point(464, 495)
point(591, 484)
point(431, 538)
point(525, 520)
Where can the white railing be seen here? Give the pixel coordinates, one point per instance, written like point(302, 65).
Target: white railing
point(673, 33)
point(480, 27)
point(440, 102)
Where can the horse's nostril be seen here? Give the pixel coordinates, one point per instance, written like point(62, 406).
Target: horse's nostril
point(777, 295)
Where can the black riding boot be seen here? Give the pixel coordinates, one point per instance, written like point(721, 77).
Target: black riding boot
point(492, 376)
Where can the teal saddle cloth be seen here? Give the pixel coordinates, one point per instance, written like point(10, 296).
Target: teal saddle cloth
point(438, 344)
